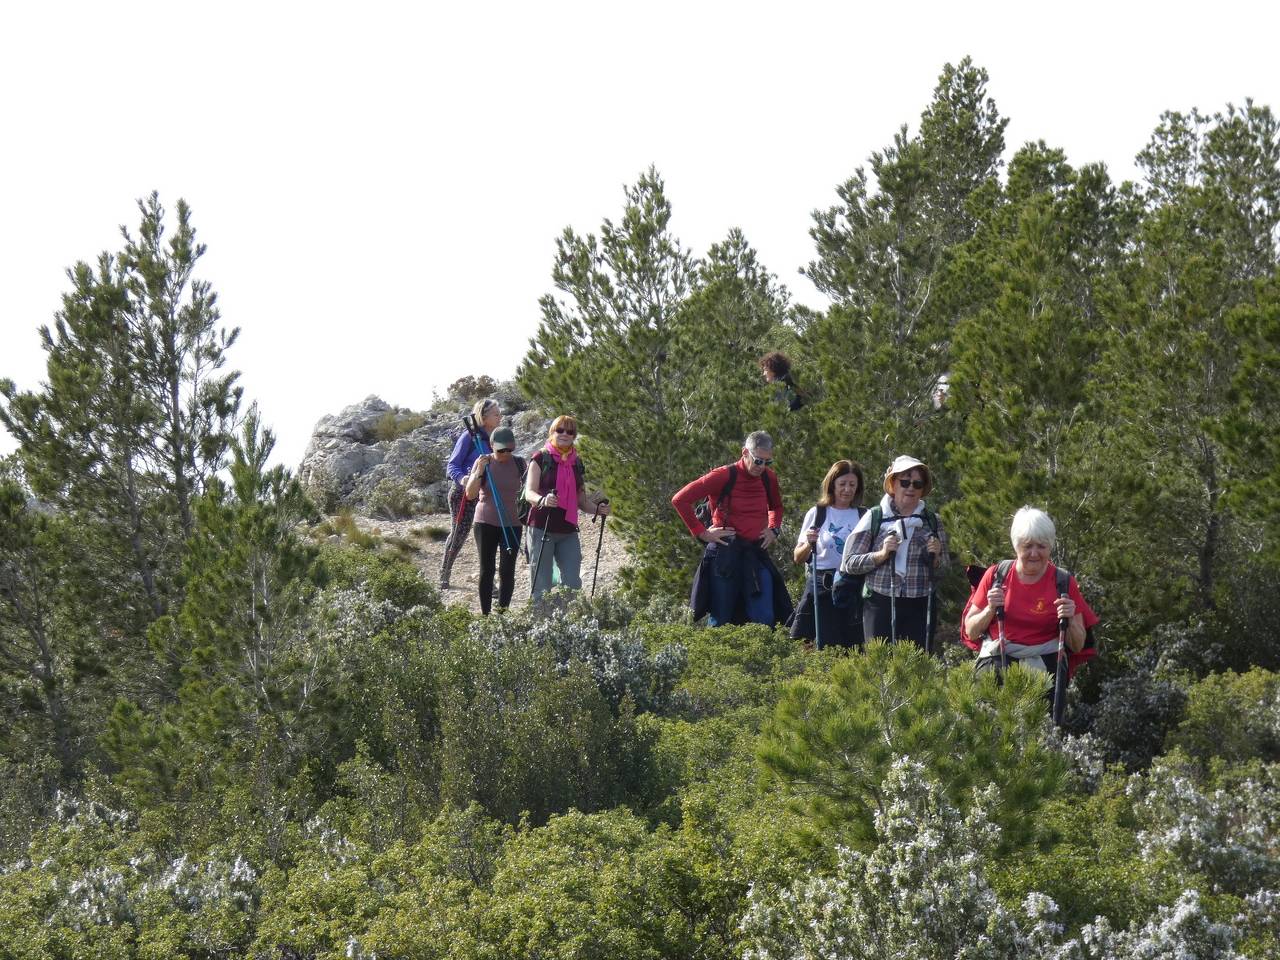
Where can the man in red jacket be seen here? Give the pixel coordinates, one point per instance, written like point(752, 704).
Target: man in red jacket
point(746, 518)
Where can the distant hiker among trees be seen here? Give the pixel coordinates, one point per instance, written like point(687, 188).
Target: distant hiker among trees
point(901, 547)
point(736, 581)
point(1034, 595)
point(461, 510)
point(497, 531)
point(826, 528)
point(776, 367)
point(555, 487)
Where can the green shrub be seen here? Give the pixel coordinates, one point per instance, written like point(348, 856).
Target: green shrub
point(832, 740)
point(393, 425)
point(385, 578)
point(426, 468)
point(393, 499)
point(344, 524)
point(469, 389)
point(1234, 716)
point(433, 532)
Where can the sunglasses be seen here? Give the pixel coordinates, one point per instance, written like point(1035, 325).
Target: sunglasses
point(908, 483)
point(569, 431)
point(762, 463)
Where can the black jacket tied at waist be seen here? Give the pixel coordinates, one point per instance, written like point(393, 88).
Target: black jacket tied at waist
point(743, 562)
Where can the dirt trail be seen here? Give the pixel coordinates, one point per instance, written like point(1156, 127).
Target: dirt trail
point(413, 540)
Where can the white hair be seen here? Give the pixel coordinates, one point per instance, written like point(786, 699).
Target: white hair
point(759, 440)
point(1031, 525)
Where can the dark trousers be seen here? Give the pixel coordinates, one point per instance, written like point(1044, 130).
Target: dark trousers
point(836, 626)
point(877, 618)
point(494, 553)
point(460, 518)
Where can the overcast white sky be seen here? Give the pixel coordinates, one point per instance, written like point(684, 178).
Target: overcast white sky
point(380, 185)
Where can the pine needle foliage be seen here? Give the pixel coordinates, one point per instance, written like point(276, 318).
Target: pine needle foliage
point(833, 740)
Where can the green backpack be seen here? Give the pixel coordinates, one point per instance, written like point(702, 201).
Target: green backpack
point(877, 518)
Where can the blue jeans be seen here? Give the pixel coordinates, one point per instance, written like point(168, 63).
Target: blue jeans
point(726, 589)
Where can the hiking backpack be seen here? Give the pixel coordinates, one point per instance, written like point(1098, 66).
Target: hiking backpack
point(523, 504)
point(1062, 585)
point(877, 518)
point(702, 509)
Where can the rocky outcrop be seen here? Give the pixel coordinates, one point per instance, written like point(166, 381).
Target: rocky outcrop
point(389, 461)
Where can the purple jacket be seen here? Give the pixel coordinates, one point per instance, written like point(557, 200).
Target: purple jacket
point(464, 455)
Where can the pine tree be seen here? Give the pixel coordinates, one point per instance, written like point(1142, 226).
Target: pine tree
point(1034, 277)
point(883, 347)
point(655, 352)
point(1207, 237)
point(133, 419)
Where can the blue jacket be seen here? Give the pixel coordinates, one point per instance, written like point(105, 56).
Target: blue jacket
point(464, 455)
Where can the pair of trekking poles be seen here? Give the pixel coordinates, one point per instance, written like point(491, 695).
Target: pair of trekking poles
point(542, 546)
point(899, 531)
point(1062, 666)
point(472, 424)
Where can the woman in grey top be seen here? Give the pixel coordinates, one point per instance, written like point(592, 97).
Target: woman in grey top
point(497, 531)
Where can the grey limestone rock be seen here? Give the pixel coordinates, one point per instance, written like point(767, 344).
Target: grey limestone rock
point(373, 451)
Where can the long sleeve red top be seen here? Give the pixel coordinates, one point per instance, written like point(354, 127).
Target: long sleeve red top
point(746, 510)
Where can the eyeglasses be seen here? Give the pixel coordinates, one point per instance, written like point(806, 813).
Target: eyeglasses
point(762, 463)
point(908, 483)
point(568, 430)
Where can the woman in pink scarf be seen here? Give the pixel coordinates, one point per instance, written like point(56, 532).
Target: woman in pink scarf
point(558, 496)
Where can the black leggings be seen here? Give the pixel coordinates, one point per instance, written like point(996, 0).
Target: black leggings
point(877, 618)
point(839, 626)
point(489, 542)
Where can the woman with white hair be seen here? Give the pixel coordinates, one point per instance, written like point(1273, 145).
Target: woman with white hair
point(1035, 595)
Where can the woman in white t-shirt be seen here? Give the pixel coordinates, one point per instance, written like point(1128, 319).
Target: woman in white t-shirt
point(825, 529)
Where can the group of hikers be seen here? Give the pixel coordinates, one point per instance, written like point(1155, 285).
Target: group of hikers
point(871, 570)
point(499, 495)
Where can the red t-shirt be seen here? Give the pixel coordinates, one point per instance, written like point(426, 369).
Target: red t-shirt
point(1030, 616)
point(746, 510)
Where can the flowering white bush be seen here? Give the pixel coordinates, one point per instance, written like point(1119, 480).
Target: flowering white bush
point(1084, 754)
point(619, 660)
point(1231, 836)
point(921, 893)
point(352, 616)
point(1179, 932)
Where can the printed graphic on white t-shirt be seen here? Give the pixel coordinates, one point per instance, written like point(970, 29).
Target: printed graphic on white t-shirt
point(837, 528)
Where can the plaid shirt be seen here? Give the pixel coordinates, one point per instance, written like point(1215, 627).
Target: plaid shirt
point(861, 548)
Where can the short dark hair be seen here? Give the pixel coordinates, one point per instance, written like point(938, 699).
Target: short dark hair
point(777, 363)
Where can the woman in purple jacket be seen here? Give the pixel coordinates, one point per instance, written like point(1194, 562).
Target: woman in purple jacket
point(462, 510)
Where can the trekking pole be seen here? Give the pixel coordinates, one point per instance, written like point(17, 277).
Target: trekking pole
point(817, 625)
point(928, 610)
point(542, 548)
point(1004, 656)
point(1061, 674)
point(898, 530)
point(599, 543)
point(473, 428)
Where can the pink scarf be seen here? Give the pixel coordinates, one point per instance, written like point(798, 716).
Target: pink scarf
point(566, 483)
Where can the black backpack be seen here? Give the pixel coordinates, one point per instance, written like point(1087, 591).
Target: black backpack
point(702, 509)
point(846, 588)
